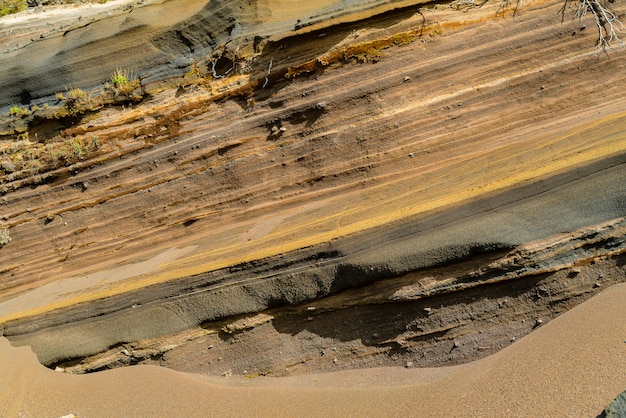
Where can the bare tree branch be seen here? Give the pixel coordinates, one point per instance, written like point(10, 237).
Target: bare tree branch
point(609, 26)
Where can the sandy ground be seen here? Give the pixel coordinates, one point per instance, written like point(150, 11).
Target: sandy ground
point(571, 367)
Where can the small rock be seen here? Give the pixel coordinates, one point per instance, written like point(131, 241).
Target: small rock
point(125, 352)
point(596, 285)
point(59, 369)
point(321, 106)
point(406, 78)
point(335, 361)
point(410, 155)
point(408, 364)
point(428, 310)
point(210, 347)
point(283, 129)
point(274, 129)
point(50, 217)
point(227, 373)
point(512, 339)
point(456, 344)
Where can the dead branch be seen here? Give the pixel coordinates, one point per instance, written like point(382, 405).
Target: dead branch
point(609, 26)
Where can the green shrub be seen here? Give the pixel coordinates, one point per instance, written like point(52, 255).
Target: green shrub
point(123, 83)
point(12, 6)
point(18, 111)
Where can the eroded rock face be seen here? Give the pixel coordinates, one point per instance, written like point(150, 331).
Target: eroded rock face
point(156, 41)
point(345, 156)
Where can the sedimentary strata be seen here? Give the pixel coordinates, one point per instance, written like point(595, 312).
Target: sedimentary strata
point(459, 188)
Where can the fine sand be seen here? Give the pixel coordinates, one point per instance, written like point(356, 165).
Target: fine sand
point(571, 367)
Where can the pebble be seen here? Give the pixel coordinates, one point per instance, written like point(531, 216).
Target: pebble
point(406, 78)
point(428, 310)
point(596, 285)
point(227, 373)
point(456, 344)
point(408, 364)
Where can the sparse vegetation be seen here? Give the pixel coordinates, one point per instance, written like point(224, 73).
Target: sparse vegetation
point(77, 101)
point(123, 83)
point(18, 111)
point(12, 6)
point(5, 238)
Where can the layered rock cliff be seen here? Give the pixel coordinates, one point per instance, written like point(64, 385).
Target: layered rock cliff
point(398, 181)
